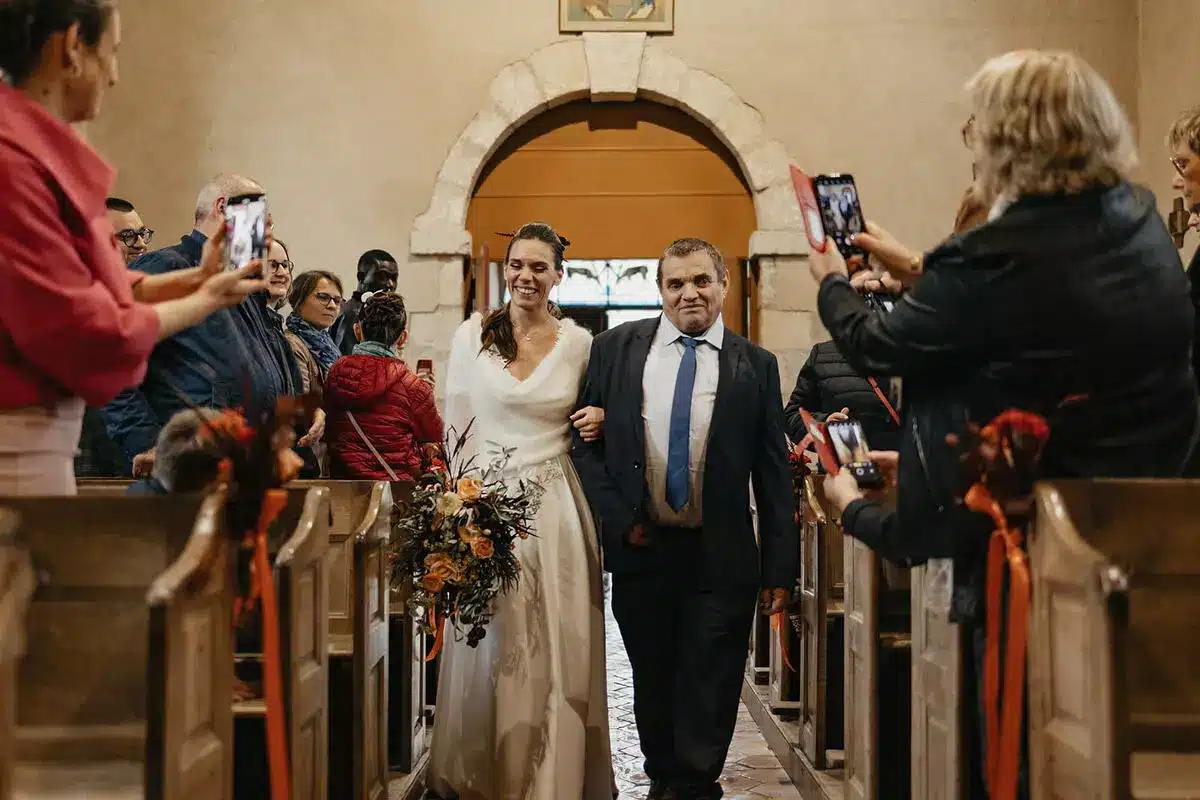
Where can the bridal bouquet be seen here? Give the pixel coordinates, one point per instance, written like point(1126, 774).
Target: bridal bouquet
point(454, 543)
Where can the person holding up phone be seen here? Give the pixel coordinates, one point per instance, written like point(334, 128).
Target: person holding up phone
point(1073, 289)
point(75, 325)
point(235, 358)
point(381, 413)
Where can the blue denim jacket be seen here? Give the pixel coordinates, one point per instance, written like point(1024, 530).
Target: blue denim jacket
point(231, 359)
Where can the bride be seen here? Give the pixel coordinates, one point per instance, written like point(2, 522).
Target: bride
point(524, 715)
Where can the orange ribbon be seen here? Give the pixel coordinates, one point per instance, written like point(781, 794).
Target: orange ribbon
point(439, 626)
point(1002, 705)
point(277, 752)
point(780, 630)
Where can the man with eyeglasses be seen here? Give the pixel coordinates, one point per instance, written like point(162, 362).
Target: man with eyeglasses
point(1183, 142)
point(232, 359)
point(130, 231)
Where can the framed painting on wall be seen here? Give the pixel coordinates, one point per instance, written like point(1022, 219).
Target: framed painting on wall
point(654, 16)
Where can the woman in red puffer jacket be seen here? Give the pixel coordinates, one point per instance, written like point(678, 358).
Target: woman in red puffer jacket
point(379, 412)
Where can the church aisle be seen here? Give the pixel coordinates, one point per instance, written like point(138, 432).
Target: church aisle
point(751, 773)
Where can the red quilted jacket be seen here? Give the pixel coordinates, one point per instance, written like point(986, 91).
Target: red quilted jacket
point(393, 406)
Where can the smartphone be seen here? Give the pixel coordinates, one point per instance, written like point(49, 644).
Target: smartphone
point(425, 365)
point(853, 453)
point(841, 213)
point(246, 229)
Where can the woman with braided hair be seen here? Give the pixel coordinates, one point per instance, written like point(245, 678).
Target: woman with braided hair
point(379, 412)
point(524, 714)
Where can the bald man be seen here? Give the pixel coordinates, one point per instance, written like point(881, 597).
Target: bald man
point(232, 359)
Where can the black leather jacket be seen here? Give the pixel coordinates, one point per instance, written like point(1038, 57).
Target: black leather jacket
point(1060, 296)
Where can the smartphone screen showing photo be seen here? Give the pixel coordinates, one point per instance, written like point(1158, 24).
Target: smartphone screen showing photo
point(246, 229)
point(841, 213)
point(853, 452)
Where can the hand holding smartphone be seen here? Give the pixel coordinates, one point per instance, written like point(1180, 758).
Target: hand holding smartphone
point(842, 444)
point(246, 229)
point(425, 370)
point(831, 210)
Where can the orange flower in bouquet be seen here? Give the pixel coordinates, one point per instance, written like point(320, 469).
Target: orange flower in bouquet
point(454, 542)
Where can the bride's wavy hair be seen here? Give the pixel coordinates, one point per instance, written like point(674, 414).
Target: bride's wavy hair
point(497, 330)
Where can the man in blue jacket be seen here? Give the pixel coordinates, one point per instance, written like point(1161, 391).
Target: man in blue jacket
point(229, 360)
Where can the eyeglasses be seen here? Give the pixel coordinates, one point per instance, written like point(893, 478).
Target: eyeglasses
point(329, 299)
point(286, 266)
point(1180, 165)
point(129, 236)
point(968, 131)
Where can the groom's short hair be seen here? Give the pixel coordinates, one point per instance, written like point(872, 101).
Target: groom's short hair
point(685, 247)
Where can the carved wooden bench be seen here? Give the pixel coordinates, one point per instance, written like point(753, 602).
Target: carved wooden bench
point(359, 580)
point(16, 589)
point(412, 693)
point(877, 714)
point(818, 656)
point(123, 691)
point(1114, 687)
point(937, 751)
point(301, 533)
point(102, 487)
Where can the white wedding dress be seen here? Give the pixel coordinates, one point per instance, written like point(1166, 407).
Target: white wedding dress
point(524, 715)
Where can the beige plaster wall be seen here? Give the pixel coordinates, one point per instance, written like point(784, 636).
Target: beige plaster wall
point(346, 111)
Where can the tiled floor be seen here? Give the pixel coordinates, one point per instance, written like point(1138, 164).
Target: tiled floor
point(751, 773)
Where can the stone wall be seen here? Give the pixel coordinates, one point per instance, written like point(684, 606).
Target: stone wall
point(615, 67)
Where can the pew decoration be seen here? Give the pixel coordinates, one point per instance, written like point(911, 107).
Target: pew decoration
point(454, 542)
point(804, 494)
point(254, 460)
point(1000, 462)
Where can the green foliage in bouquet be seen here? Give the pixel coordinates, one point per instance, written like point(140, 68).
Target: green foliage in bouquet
point(454, 543)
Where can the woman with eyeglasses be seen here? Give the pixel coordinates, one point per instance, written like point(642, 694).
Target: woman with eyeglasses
point(316, 299)
point(75, 325)
point(279, 275)
point(1070, 302)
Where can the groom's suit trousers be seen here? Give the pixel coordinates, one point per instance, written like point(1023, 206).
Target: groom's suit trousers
point(686, 636)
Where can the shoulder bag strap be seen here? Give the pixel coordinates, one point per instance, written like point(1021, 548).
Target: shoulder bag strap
point(883, 399)
point(371, 447)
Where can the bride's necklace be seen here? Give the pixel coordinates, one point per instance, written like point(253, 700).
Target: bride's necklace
point(527, 336)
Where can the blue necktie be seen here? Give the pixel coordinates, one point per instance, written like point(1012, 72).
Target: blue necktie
point(679, 480)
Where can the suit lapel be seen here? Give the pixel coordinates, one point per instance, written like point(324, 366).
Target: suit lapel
point(728, 363)
point(639, 351)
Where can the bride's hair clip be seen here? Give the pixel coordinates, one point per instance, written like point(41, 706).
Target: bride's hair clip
point(564, 241)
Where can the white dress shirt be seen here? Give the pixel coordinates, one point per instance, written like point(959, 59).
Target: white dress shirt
point(658, 390)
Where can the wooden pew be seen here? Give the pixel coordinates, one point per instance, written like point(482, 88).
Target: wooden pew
point(1114, 690)
point(301, 533)
point(937, 754)
point(125, 683)
point(359, 580)
point(877, 681)
point(16, 589)
point(102, 487)
point(411, 695)
point(819, 659)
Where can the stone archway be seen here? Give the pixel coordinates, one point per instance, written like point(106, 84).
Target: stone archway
point(619, 67)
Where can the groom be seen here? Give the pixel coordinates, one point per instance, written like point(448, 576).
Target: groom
point(693, 415)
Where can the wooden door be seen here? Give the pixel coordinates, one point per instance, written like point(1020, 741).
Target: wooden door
point(936, 661)
point(619, 180)
point(862, 663)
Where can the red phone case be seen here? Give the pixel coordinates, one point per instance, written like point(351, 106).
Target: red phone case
point(809, 210)
point(821, 442)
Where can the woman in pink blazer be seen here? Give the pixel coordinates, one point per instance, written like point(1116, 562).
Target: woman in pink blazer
point(76, 327)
